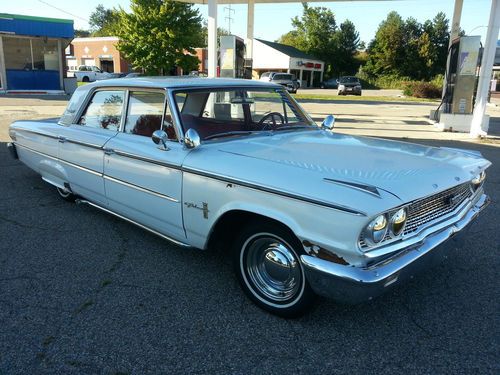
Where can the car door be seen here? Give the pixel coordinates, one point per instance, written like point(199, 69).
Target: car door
point(81, 144)
point(143, 181)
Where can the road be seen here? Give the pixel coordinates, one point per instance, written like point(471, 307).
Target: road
point(82, 292)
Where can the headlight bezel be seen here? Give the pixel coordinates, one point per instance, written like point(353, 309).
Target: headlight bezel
point(373, 236)
point(478, 180)
point(389, 234)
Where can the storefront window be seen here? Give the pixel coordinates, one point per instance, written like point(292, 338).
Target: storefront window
point(45, 55)
point(31, 54)
point(17, 52)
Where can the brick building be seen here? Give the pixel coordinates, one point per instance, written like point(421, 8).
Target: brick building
point(100, 52)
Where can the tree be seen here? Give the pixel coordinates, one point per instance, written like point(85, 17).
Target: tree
point(82, 33)
point(104, 22)
point(159, 35)
point(407, 48)
point(220, 32)
point(316, 32)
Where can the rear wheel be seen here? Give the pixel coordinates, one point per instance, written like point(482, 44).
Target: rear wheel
point(66, 195)
point(85, 79)
point(266, 258)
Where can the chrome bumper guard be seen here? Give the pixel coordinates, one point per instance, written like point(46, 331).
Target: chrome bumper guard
point(349, 284)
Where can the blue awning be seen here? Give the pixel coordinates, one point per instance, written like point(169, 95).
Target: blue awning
point(36, 26)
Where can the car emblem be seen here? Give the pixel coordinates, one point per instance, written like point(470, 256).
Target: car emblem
point(453, 199)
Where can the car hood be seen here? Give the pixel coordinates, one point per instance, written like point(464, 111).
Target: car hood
point(339, 168)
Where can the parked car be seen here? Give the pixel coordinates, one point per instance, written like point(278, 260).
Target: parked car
point(239, 165)
point(91, 74)
point(133, 75)
point(285, 79)
point(331, 83)
point(349, 85)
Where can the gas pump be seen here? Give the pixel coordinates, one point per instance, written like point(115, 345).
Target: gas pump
point(461, 76)
point(232, 57)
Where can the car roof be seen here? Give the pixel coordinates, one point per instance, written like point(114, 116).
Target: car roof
point(178, 82)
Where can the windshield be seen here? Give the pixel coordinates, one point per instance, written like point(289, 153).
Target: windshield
point(348, 80)
point(236, 112)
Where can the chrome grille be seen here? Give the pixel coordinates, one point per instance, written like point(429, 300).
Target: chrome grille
point(428, 209)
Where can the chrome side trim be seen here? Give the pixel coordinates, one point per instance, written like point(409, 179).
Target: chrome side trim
point(91, 145)
point(145, 159)
point(274, 191)
point(91, 171)
point(136, 187)
point(179, 243)
point(38, 133)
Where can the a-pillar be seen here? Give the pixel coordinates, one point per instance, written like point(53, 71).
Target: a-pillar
point(486, 70)
point(212, 38)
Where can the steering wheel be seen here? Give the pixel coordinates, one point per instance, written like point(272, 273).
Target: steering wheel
point(271, 116)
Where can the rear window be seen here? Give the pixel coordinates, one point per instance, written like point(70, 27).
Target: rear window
point(283, 77)
point(73, 106)
point(349, 80)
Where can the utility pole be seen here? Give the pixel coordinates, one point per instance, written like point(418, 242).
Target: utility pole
point(228, 17)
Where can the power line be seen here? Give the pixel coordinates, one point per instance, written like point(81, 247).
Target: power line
point(228, 17)
point(62, 10)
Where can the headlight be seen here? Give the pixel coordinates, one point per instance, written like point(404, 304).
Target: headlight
point(376, 230)
point(479, 178)
point(341, 87)
point(398, 221)
point(358, 87)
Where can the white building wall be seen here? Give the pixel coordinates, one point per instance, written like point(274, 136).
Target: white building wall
point(265, 57)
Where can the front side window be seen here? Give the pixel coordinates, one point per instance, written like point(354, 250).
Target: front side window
point(104, 110)
point(145, 113)
point(239, 111)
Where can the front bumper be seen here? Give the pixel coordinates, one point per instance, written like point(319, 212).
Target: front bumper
point(349, 284)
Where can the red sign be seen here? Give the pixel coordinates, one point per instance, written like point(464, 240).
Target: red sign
point(317, 66)
point(309, 65)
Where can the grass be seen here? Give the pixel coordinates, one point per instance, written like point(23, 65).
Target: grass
point(81, 83)
point(362, 98)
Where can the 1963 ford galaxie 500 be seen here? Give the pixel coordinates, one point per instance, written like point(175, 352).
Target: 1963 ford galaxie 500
point(239, 164)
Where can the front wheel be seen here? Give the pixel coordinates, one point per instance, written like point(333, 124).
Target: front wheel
point(266, 259)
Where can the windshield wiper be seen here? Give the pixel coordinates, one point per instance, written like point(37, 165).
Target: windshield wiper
point(228, 134)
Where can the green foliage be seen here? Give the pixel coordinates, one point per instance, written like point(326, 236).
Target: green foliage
point(220, 32)
point(81, 33)
point(421, 89)
point(159, 35)
point(407, 48)
point(317, 33)
point(104, 22)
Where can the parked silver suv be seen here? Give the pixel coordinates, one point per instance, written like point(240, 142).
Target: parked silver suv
point(285, 79)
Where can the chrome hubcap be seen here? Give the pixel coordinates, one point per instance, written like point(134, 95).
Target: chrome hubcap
point(273, 268)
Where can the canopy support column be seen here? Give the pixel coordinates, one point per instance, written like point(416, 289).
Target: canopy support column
point(212, 38)
point(486, 69)
point(455, 24)
point(250, 25)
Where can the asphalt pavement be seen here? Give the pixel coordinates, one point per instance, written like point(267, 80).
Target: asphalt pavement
point(82, 292)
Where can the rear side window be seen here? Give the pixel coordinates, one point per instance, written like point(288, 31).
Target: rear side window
point(104, 110)
point(145, 112)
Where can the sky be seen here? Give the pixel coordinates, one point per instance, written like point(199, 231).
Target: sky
point(273, 20)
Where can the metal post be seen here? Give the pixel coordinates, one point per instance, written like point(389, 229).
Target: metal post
point(62, 64)
point(250, 24)
point(300, 78)
point(455, 24)
point(312, 78)
point(3, 73)
point(212, 38)
point(321, 76)
point(486, 69)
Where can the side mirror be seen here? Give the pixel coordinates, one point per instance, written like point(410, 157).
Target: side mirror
point(328, 122)
point(160, 138)
point(192, 138)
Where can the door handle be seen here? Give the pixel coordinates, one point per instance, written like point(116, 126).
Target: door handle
point(62, 139)
point(109, 151)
